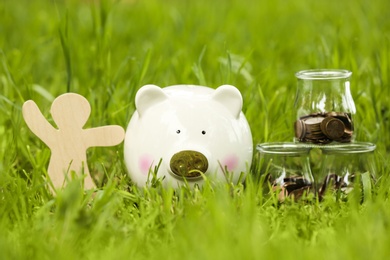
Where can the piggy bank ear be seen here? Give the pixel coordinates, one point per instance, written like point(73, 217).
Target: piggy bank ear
point(148, 96)
point(230, 97)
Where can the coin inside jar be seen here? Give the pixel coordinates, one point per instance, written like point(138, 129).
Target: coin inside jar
point(324, 127)
point(293, 186)
point(313, 130)
point(333, 128)
point(314, 120)
point(300, 129)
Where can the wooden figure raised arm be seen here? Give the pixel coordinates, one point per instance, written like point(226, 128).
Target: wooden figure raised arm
point(69, 143)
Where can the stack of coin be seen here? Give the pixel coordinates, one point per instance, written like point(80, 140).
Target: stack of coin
point(335, 183)
point(293, 186)
point(323, 128)
point(338, 126)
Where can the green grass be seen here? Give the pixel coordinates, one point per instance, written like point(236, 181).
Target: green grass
point(106, 51)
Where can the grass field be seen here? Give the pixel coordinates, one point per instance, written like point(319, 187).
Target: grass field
point(106, 50)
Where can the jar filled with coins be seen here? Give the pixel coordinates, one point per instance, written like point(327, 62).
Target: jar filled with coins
point(324, 107)
point(285, 168)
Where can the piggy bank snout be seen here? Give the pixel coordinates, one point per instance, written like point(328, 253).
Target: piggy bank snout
point(188, 164)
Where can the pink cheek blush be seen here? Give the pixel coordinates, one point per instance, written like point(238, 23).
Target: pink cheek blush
point(230, 162)
point(144, 163)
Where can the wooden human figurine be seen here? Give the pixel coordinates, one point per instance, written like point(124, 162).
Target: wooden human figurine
point(69, 143)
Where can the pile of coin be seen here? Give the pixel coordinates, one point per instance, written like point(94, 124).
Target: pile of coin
point(293, 186)
point(323, 128)
point(335, 183)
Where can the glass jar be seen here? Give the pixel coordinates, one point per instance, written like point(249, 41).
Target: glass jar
point(346, 167)
point(285, 169)
point(324, 106)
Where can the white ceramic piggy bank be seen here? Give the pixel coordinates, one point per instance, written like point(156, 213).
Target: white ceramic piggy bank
point(194, 131)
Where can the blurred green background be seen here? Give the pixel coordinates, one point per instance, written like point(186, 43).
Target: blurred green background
point(106, 50)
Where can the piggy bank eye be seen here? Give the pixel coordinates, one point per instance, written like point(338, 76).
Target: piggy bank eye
point(203, 132)
point(178, 131)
